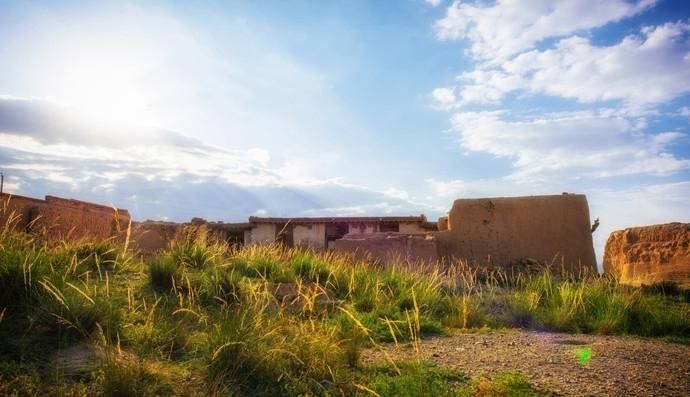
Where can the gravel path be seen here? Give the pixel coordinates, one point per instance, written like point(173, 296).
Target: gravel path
point(617, 366)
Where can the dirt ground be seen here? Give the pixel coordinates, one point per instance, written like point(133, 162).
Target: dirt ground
point(564, 364)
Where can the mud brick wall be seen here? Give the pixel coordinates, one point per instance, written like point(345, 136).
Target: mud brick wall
point(57, 219)
point(15, 211)
point(495, 232)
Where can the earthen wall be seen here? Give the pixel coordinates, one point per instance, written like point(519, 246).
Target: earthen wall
point(496, 231)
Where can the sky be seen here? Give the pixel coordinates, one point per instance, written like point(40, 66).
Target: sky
point(226, 109)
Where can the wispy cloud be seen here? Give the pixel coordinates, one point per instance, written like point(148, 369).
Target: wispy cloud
point(569, 145)
point(46, 148)
point(498, 31)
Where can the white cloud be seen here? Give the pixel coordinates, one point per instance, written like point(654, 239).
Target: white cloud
point(508, 27)
point(433, 3)
point(639, 70)
point(569, 145)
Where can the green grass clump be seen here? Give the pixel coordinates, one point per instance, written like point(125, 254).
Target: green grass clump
point(194, 254)
point(413, 380)
point(164, 273)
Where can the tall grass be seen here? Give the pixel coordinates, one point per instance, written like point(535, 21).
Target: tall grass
point(271, 320)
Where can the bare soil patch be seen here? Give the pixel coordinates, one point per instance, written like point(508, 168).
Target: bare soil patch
point(564, 364)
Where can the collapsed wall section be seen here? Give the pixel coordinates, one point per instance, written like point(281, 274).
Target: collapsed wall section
point(391, 247)
point(150, 237)
point(494, 232)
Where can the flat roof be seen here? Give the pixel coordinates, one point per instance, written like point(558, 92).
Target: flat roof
point(230, 226)
point(339, 219)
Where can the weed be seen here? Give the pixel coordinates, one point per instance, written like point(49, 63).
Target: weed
point(414, 379)
point(508, 385)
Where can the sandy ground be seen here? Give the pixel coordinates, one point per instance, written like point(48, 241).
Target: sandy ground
point(564, 364)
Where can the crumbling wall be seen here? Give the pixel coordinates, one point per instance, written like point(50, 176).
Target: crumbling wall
point(15, 211)
point(442, 223)
point(312, 236)
point(362, 228)
point(411, 227)
point(152, 236)
point(494, 232)
point(263, 233)
point(391, 247)
point(56, 219)
point(650, 254)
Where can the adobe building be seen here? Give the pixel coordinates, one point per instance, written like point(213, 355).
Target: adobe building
point(56, 219)
point(322, 233)
point(498, 232)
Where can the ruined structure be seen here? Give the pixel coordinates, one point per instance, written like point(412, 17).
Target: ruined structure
point(316, 233)
point(323, 232)
point(490, 232)
point(553, 229)
point(151, 236)
point(650, 254)
point(57, 219)
point(499, 233)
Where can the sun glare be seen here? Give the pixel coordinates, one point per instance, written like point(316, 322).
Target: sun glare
point(106, 89)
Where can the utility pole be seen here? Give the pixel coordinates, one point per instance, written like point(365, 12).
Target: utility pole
point(2, 181)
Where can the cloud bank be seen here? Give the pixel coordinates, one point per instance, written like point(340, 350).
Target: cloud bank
point(46, 148)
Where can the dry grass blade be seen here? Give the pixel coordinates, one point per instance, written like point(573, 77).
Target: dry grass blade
point(82, 293)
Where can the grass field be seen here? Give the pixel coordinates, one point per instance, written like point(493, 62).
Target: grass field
point(204, 319)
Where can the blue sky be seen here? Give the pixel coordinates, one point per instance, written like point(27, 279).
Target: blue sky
point(229, 109)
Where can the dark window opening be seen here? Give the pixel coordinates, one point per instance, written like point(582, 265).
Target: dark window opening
point(285, 235)
point(235, 238)
point(335, 231)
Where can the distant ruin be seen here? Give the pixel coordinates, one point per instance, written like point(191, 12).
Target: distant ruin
point(488, 232)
